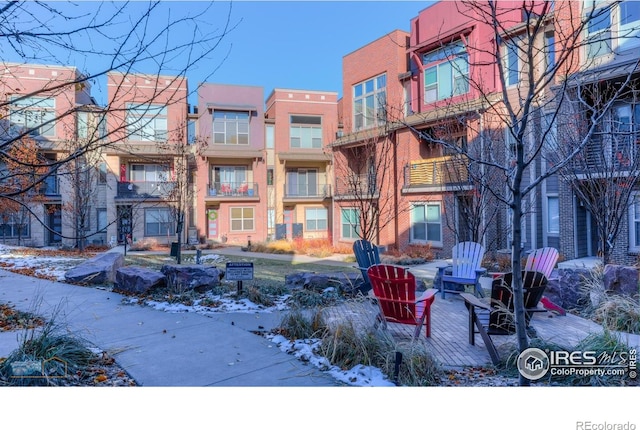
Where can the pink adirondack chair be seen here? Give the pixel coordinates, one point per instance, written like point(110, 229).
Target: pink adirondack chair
point(544, 260)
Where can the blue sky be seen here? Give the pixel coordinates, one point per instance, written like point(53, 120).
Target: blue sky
point(274, 44)
point(300, 44)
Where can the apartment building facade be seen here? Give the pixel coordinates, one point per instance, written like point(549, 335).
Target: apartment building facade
point(231, 164)
point(145, 162)
point(365, 153)
point(299, 125)
point(48, 111)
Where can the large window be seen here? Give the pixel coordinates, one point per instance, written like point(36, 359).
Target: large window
point(629, 24)
point(83, 125)
point(315, 219)
point(426, 223)
point(12, 226)
point(634, 223)
point(230, 128)
point(157, 222)
point(242, 219)
point(302, 182)
point(270, 136)
point(232, 176)
point(350, 223)
point(36, 114)
point(149, 173)
point(147, 123)
point(598, 33)
point(446, 72)
point(550, 49)
point(370, 102)
point(511, 63)
point(306, 131)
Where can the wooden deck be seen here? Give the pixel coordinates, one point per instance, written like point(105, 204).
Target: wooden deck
point(449, 340)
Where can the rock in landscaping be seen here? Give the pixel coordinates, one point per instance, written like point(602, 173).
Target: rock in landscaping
point(97, 270)
point(621, 279)
point(565, 289)
point(138, 280)
point(347, 282)
point(192, 277)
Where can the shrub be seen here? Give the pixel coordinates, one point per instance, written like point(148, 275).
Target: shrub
point(58, 352)
point(298, 324)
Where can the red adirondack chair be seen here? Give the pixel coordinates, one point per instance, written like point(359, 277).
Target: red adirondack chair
point(395, 290)
point(544, 260)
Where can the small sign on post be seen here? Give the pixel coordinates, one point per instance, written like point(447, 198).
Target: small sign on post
point(239, 271)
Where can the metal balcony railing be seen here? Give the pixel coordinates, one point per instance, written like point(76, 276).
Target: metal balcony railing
point(233, 189)
point(301, 191)
point(145, 189)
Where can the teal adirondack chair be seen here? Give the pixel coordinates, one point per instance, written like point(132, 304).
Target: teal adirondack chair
point(464, 270)
point(367, 255)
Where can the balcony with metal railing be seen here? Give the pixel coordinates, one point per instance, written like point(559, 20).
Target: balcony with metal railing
point(144, 189)
point(446, 173)
point(306, 192)
point(356, 186)
point(232, 191)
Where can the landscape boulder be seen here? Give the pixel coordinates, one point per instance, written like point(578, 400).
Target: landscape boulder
point(566, 287)
point(138, 280)
point(192, 277)
point(97, 270)
point(346, 282)
point(621, 279)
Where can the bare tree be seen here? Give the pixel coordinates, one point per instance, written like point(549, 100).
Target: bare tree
point(604, 174)
point(366, 178)
point(531, 84)
point(98, 38)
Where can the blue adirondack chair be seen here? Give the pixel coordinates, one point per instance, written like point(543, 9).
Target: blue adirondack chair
point(464, 270)
point(367, 255)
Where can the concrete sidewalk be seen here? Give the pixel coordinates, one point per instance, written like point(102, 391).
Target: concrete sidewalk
point(160, 348)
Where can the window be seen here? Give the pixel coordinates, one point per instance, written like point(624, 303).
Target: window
point(83, 125)
point(634, 223)
point(629, 24)
point(553, 215)
point(230, 176)
point(315, 219)
point(14, 226)
point(598, 37)
point(149, 173)
point(270, 137)
point(157, 222)
point(230, 128)
point(242, 219)
point(271, 219)
point(306, 131)
point(446, 72)
point(426, 223)
point(35, 114)
point(147, 123)
point(302, 182)
point(191, 131)
point(350, 223)
point(511, 63)
point(102, 173)
point(550, 127)
point(270, 176)
point(550, 49)
point(102, 219)
point(370, 102)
